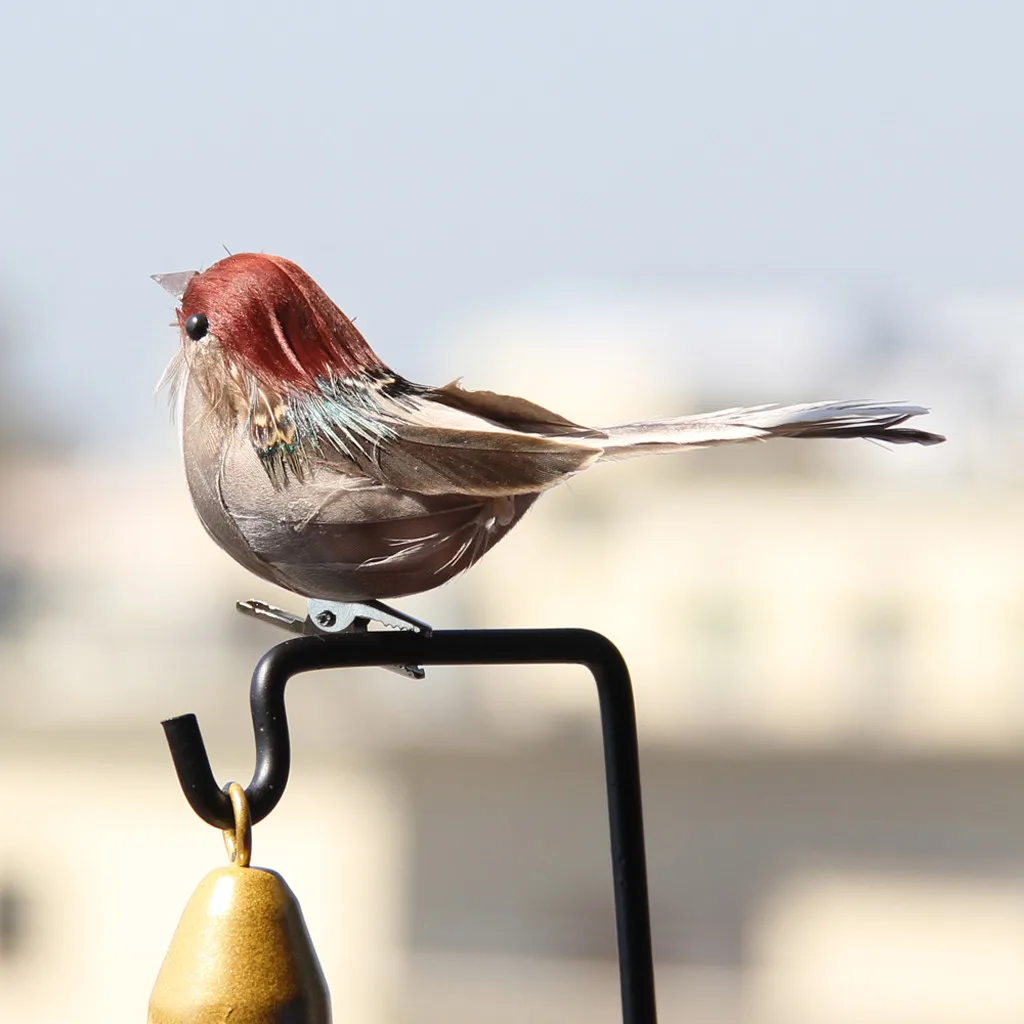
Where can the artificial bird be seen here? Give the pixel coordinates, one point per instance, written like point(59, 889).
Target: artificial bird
point(320, 469)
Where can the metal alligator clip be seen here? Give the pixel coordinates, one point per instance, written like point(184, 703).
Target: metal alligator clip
point(334, 617)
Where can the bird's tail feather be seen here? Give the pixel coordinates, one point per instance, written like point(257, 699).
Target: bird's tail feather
point(879, 421)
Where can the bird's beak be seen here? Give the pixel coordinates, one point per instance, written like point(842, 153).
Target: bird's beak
point(175, 284)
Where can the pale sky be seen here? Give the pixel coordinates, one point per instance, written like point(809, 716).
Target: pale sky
point(431, 162)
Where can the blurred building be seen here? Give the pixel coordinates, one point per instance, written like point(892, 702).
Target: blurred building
point(827, 646)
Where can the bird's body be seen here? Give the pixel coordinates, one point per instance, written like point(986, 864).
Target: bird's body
point(336, 533)
point(319, 469)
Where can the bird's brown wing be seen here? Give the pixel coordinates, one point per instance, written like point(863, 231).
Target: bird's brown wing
point(479, 444)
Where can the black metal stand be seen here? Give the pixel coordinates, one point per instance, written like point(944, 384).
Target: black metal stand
point(473, 647)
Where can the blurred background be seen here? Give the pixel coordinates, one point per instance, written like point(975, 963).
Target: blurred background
point(620, 210)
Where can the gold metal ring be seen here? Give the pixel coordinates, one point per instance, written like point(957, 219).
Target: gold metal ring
point(238, 840)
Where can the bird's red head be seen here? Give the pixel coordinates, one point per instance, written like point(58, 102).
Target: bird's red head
point(275, 319)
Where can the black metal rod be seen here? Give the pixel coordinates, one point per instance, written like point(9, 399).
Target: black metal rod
point(471, 647)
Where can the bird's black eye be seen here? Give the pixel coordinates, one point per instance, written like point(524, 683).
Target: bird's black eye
point(196, 326)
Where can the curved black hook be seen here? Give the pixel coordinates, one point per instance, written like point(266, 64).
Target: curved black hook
point(470, 647)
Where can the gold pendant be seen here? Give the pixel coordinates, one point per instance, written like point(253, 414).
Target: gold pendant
point(241, 952)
